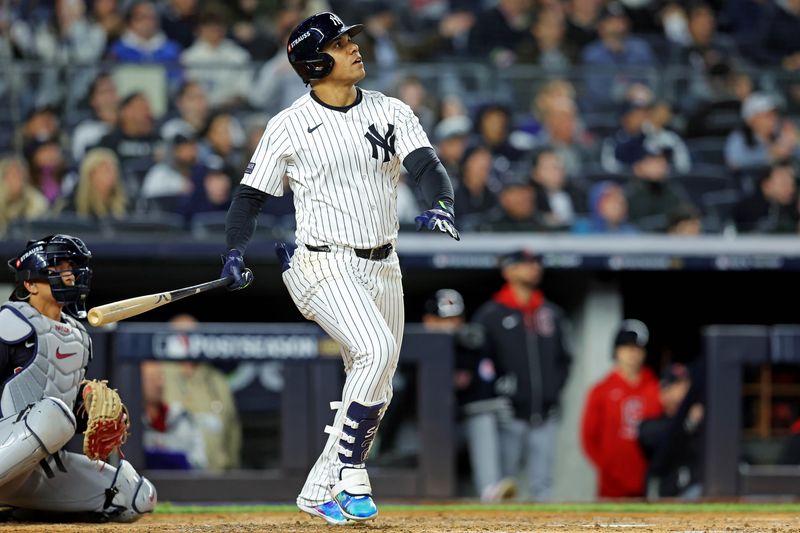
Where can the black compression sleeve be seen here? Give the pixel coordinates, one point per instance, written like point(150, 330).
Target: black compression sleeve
point(429, 174)
point(240, 223)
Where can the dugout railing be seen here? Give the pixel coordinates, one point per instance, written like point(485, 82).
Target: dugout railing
point(312, 377)
point(729, 349)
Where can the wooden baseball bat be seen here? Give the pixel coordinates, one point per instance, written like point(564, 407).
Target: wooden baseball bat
point(108, 313)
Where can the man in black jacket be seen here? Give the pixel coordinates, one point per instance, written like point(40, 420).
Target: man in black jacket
point(525, 339)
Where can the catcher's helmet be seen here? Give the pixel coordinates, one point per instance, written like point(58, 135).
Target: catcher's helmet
point(309, 38)
point(36, 262)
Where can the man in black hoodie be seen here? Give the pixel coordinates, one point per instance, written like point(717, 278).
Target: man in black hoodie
point(525, 338)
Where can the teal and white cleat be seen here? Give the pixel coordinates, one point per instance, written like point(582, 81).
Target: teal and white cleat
point(361, 507)
point(328, 511)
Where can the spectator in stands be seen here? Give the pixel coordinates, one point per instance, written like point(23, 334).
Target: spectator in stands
point(211, 191)
point(546, 46)
point(204, 391)
point(191, 103)
point(563, 132)
point(170, 180)
point(100, 193)
point(719, 113)
point(557, 199)
point(41, 123)
point(19, 200)
point(685, 220)
point(103, 99)
point(615, 60)
point(501, 30)
point(608, 211)
point(64, 36)
point(179, 20)
point(548, 93)
point(144, 42)
point(221, 137)
point(778, 35)
point(613, 411)
point(673, 442)
point(276, 85)
point(526, 340)
point(479, 406)
point(493, 127)
point(704, 50)
point(632, 118)
point(517, 209)
point(475, 187)
point(772, 208)
point(172, 439)
point(249, 20)
point(48, 168)
point(219, 64)
point(106, 13)
point(766, 136)
point(413, 93)
point(644, 119)
point(451, 136)
point(134, 140)
point(582, 18)
point(651, 195)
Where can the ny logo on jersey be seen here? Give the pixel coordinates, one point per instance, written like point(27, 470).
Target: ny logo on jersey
point(386, 142)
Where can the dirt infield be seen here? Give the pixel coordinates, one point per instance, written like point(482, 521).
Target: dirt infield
point(440, 521)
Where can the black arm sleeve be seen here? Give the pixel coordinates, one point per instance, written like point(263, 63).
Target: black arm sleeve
point(429, 174)
point(240, 223)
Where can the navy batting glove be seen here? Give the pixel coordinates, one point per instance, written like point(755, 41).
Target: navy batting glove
point(234, 268)
point(439, 218)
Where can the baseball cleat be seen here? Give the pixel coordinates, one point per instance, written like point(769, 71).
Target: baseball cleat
point(328, 511)
point(360, 507)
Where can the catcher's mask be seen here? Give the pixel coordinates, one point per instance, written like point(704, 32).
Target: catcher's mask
point(38, 262)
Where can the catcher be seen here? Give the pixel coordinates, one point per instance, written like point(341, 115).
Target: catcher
point(44, 399)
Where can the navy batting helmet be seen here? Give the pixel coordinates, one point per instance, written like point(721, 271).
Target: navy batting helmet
point(309, 38)
point(38, 260)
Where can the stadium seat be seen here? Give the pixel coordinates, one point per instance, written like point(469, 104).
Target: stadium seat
point(707, 150)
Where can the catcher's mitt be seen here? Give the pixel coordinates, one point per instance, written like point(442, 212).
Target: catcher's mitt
point(107, 420)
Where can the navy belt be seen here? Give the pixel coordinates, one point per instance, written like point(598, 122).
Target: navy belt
point(378, 253)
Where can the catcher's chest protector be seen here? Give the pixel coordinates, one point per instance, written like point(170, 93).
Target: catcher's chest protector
point(62, 352)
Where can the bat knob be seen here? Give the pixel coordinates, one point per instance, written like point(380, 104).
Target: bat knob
point(95, 317)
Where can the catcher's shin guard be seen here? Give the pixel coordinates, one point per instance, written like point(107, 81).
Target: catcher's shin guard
point(29, 436)
point(130, 495)
point(353, 492)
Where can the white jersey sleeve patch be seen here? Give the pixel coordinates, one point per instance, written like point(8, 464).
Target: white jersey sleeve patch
point(13, 328)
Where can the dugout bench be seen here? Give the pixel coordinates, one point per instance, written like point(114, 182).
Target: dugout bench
point(312, 379)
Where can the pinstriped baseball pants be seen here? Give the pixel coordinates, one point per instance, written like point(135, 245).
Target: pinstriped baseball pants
point(359, 303)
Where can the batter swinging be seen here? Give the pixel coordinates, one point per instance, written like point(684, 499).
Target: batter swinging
point(342, 148)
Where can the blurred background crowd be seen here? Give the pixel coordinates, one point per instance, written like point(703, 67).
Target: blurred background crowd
point(582, 116)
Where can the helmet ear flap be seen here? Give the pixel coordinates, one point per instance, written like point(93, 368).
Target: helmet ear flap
point(327, 65)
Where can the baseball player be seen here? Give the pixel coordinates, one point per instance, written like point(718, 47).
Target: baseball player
point(44, 352)
point(341, 148)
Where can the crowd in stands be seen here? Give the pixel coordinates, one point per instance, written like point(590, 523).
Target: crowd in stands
point(600, 116)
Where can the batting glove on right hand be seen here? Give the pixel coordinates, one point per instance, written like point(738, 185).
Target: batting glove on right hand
point(439, 218)
point(234, 268)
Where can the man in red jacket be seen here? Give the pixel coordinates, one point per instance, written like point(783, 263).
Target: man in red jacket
point(613, 410)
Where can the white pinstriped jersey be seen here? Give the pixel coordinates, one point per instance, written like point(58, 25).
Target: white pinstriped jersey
point(343, 166)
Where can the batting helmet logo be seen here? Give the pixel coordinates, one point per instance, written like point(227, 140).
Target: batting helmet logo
point(307, 40)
